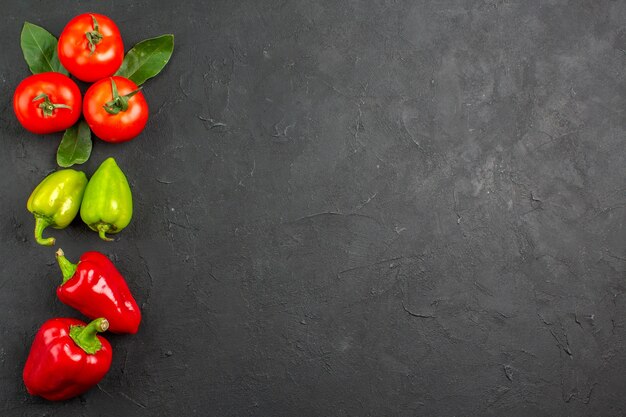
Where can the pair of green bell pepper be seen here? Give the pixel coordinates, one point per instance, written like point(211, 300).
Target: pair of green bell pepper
point(105, 201)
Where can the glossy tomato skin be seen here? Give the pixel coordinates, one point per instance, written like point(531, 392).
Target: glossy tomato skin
point(77, 58)
point(60, 89)
point(120, 127)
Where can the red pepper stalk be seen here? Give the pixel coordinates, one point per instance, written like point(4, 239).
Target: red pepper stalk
point(97, 289)
point(67, 358)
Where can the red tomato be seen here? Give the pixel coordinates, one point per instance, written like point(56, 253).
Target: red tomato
point(115, 110)
point(90, 47)
point(47, 102)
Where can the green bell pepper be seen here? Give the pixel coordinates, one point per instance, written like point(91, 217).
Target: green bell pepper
point(56, 201)
point(108, 202)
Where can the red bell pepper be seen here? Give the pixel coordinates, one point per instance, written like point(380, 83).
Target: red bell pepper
point(67, 358)
point(97, 289)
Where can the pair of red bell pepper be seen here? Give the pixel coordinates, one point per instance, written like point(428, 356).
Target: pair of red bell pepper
point(68, 357)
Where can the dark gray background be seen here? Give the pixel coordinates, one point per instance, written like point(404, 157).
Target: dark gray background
point(349, 208)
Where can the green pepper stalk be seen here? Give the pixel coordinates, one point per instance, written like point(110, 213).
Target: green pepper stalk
point(107, 205)
point(85, 336)
point(55, 201)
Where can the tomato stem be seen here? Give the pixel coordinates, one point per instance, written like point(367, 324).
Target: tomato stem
point(119, 103)
point(47, 106)
point(94, 37)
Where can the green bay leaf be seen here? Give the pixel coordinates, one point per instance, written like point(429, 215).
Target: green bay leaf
point(40, 50)
point(147, 59)
point(75, 147)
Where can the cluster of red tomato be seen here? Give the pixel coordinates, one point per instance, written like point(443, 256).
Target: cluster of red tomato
point(91, 49)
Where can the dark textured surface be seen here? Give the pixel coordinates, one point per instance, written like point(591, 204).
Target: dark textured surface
point(349, 208)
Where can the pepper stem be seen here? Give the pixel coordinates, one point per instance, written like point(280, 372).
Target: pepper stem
point(67, 268)
point(47, 106)
point(85, 336)
point(41, 223)
point(103, 229)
